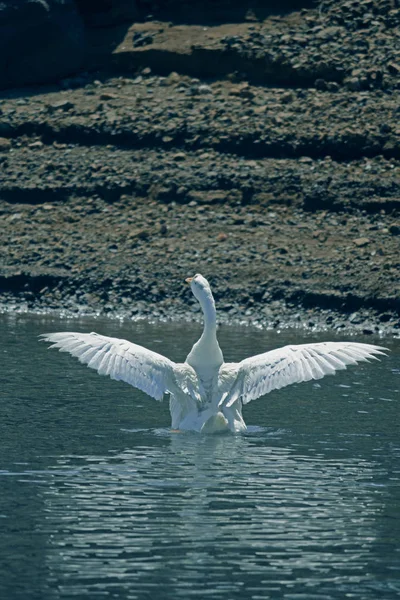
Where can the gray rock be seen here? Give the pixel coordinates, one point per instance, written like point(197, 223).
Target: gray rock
point(395, 229)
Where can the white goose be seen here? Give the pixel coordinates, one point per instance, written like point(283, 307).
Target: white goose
point(207, 394)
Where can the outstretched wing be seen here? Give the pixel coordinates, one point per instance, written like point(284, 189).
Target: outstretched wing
point(121, 360)
point(260, 374)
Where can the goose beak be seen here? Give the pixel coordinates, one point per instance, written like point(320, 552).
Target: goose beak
point(189, 280)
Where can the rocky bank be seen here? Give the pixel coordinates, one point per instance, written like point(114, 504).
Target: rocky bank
point(258, 147)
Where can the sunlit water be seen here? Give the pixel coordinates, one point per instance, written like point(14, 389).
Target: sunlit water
point(99, 500)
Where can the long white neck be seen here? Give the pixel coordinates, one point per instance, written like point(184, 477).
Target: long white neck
point(207, 351)
point(210, 317)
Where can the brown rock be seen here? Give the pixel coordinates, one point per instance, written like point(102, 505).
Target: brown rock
point(37, 144)
point(108, 96)
point(5, 144)
point(172, 79)
point(62, 105)
point(208, 196)
point(360, 242)
point(141, 234)
point(179, 156)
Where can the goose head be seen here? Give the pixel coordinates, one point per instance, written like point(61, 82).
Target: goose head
point(206, 354)
point(200, 288)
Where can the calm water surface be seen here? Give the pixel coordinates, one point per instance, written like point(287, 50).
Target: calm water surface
point(99, 500)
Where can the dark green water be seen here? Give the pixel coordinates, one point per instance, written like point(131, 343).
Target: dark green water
point(99, 500)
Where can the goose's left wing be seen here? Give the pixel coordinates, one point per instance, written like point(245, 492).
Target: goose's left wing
point(121, 360)
point(260, 374)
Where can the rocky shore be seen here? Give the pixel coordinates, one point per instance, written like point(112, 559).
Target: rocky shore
point(262, 150)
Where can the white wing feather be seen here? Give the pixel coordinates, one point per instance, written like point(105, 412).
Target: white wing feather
point(260, 374)
point(121, 360)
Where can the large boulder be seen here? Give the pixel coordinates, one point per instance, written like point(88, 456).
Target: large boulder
point(40, 40)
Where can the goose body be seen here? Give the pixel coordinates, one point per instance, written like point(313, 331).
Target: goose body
point(207, 394)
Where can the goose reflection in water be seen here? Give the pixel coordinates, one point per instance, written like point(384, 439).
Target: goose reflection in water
point(186, 517)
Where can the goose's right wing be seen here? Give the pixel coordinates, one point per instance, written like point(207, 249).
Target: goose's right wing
point(144, 369)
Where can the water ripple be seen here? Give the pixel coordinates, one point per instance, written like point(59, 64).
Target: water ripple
point(173, 514)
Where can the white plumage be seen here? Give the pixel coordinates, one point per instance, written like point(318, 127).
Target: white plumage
point(207, 394)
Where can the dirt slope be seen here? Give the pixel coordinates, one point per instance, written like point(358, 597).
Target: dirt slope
point(263, 153)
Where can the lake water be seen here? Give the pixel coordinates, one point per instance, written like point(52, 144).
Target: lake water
point(99, 500)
